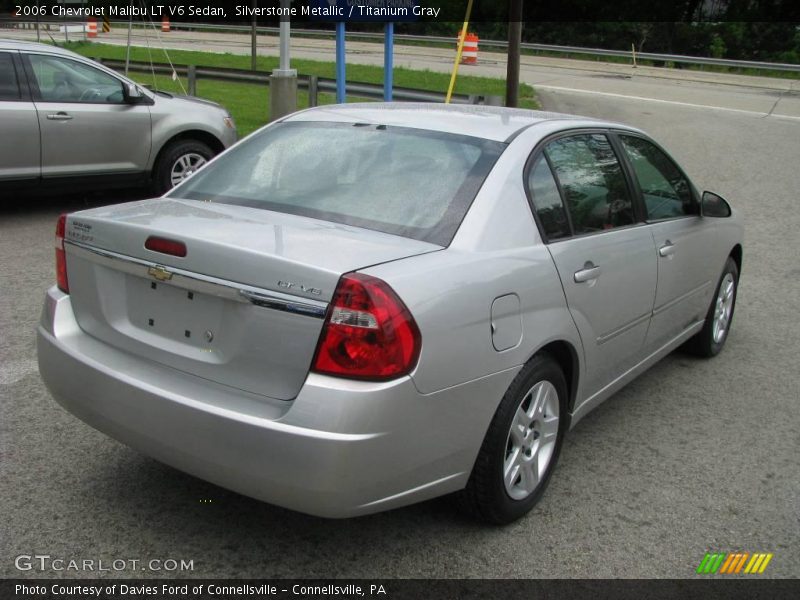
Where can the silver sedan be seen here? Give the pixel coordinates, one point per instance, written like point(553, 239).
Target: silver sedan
point(364, 306)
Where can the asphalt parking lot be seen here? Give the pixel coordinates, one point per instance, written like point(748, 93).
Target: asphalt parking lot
point(693, 456)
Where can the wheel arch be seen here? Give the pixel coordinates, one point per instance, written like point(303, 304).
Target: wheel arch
point(191, 134)
point(566, 355)
point(736, 255)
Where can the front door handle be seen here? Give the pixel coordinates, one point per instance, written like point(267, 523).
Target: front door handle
point(667, 249)
point(589, 272)
point(59, 116)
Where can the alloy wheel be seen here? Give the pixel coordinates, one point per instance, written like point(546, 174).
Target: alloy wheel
point(531, 440)
point(724, 308)
point(186, 165)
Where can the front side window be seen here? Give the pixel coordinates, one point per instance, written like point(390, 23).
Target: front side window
point(9, 88)
point(592, 181)
point(397, 180)
point(64, 80)
point(665, 190)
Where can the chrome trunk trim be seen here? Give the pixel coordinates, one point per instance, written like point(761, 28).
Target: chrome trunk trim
point(205, 284)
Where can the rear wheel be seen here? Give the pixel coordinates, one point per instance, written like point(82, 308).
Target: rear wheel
point(178, 161)
point(521, 447)
point(711, 339)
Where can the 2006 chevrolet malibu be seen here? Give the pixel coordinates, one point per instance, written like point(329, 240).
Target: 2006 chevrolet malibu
point(360, 307)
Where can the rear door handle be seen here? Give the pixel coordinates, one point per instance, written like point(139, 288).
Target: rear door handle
point(59, 116)
point(667, 249)
point(587, 273)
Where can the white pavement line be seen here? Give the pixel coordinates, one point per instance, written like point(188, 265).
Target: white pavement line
point(556, 88)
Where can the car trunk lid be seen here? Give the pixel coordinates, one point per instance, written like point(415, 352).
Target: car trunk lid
point(244, 306)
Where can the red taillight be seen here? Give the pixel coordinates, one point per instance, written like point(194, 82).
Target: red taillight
point(61, 259)
point(368, 334)
point(165, 246)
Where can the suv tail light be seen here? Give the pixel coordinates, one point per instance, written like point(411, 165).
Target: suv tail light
point(368, 333)
point(61, 259)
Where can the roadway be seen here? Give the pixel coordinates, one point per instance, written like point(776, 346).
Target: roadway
point(778, 98)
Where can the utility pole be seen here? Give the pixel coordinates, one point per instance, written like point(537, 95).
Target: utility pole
point(514, 41)
point(283, 81)
point(253, 38)
point(128, 45)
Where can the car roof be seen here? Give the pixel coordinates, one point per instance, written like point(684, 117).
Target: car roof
point(6, 44)
point(489, 122)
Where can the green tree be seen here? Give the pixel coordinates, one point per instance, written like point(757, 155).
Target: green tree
point(717, 47)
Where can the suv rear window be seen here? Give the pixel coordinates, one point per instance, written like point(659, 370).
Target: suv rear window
point(409, 182)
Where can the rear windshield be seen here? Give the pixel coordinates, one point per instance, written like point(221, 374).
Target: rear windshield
point(409, 182)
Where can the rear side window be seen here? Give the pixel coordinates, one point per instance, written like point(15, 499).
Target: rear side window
point(547, 201)
point(665, 190)
point(592, 181)
point(9, 87)
point(409, 182)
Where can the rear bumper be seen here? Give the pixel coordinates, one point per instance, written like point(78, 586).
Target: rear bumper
point(340, 449)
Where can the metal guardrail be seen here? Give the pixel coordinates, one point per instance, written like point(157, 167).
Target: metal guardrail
point(500, 44)
point(673, 58)
point(307, 82)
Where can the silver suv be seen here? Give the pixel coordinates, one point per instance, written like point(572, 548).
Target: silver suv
point(65, 116)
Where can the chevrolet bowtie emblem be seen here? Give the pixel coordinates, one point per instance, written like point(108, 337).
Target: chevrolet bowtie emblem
point(160, 273)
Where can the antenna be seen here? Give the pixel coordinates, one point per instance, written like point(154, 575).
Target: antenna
point(149, 52)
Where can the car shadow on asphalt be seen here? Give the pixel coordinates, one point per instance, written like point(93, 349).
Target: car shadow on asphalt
point(28, 202)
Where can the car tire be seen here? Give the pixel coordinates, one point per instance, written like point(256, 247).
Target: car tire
point(179, 160)
point(719, 318)
point(521, 447)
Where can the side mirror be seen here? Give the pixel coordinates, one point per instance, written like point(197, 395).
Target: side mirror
point(714, 205)
point(132, 93)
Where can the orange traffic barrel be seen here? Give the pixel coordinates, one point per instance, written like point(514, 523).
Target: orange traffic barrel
point(469, 54)
point(165, 24)
point(91, 27)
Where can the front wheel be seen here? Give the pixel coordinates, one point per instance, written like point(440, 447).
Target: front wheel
point(521, 447)
point(178, 161)
point(711, 339)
